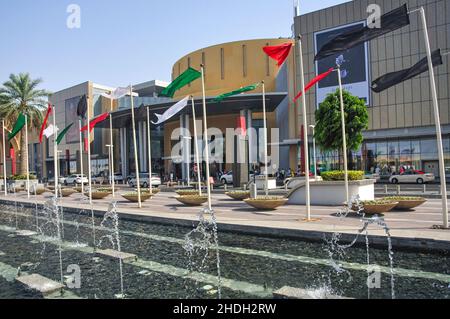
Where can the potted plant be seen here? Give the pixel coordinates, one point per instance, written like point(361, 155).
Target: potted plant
point(192, 200)
point(238, 195)
point(266, 202)
point(133, 196)
point(407, 202)
point(147, 190)
point(104, 189)
point(378, 206)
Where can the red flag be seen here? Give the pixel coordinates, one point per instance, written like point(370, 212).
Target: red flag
point(44, 124)
point(318, 78)
point(95, 121)
point(279, 52)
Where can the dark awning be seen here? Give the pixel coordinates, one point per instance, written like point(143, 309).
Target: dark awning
point(122, 118)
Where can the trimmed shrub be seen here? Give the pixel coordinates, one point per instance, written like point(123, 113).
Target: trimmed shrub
point(340, 176)
point(21, 177)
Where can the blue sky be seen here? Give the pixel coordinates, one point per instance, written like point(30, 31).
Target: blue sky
point(122, 42)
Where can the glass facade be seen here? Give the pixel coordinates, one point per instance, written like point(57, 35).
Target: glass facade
point(389, 156)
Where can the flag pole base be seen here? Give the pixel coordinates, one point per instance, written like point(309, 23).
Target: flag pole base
point(440, 227)
point(311, 220)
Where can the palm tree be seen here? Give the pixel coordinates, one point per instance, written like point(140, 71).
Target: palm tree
point(20, 95)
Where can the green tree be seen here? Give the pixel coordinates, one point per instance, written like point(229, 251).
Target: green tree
point(328, 132)
point(20, 94)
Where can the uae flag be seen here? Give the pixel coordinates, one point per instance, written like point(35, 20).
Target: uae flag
point(249, 88)
point(394, 78)
point(184, 79)
point(44, 124)
point(117, 93)
point(20, 123)
point(62, 134)
point(50, 130)
point(313, 82)
point(82, 107)
point(390, 21)
point(279, 52)
point(94, 122)
point(172, 111)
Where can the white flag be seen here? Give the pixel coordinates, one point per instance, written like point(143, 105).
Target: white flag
point(117, 93)
point(50, 130)
point(172, 111)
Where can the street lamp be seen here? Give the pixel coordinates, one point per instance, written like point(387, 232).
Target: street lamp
point(314, 151)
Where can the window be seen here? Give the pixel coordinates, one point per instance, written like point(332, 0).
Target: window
point(244, 60)
point(222, 64)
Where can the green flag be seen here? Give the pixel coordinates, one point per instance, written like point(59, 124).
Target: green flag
point(17, 127)
point(184, 79)
point(222, 97)
point(62, 134)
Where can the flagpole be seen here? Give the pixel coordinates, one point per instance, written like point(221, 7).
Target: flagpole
point(197, 156)
point(4, 158)
point(205, 137)
point(55, 152)
point(27, 159)
point(81, 157)
point(266, 175)
point(136, 161)
point(89, 152)
point(437, 121)
point(305, 130)
point(344, 138)
point(111, 164)
point(149, 146)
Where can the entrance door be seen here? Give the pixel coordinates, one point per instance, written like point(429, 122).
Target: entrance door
point(432, 167)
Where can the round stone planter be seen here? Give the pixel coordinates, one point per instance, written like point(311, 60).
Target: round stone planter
point(408, 203)
point(133, 197)
point(104, 189)
point(155, 191)
point(66, 192)
point(97, 195)
point(78, 189)
point(372, 209)
point(192, 200)
point(39, 191)
point(187, 192)
point(238, 195)
point(270, 203)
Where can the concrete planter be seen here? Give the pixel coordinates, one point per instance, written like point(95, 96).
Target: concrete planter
point(97, 195)
point(66, 192)
point(270, 203)
point(407, 203)
point(192, 200)
point(134, 198)
point(261, 181)
point(293, 182)
point(332, 193)
point(240, 195)
point(372, 209)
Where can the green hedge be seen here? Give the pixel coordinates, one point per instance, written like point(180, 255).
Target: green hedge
point(21, 177)
point(340, 175)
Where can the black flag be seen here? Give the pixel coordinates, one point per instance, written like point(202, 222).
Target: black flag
point(394, 78)
point(390, 21)
point(82, 107)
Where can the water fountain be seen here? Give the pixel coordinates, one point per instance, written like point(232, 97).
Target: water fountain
point(199, 242)
point(110, 222)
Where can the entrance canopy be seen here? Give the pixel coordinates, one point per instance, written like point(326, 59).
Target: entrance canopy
point(122, 118)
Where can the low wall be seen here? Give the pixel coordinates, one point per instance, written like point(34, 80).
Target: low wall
point(332, 193)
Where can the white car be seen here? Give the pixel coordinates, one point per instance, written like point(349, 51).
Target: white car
point(417, 177)
point(227, 178)
point(76, 179)
point(144, 180)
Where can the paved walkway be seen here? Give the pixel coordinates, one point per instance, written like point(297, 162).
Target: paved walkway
point(413, 226)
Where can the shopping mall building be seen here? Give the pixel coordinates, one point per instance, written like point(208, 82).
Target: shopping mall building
point(401, 121)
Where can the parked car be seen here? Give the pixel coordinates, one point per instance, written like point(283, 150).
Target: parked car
point(144, 180)
point(417, 177)
point(61, 180)
point(374, 176)
point(227, 178)
point(100, 178)
point(76, 179)
point(118, 178)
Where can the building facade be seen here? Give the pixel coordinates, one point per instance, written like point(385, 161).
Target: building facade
point(401, 119)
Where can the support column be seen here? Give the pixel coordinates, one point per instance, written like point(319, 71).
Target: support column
point(241, 165)
point(124, 152)
point(141, 143)
point(186, 149)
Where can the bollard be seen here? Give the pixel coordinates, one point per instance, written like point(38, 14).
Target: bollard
point(398, 189)
point(225, 187)
point(253, 191)
point(424, 188)
point(245, 187)
point(385, 189)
